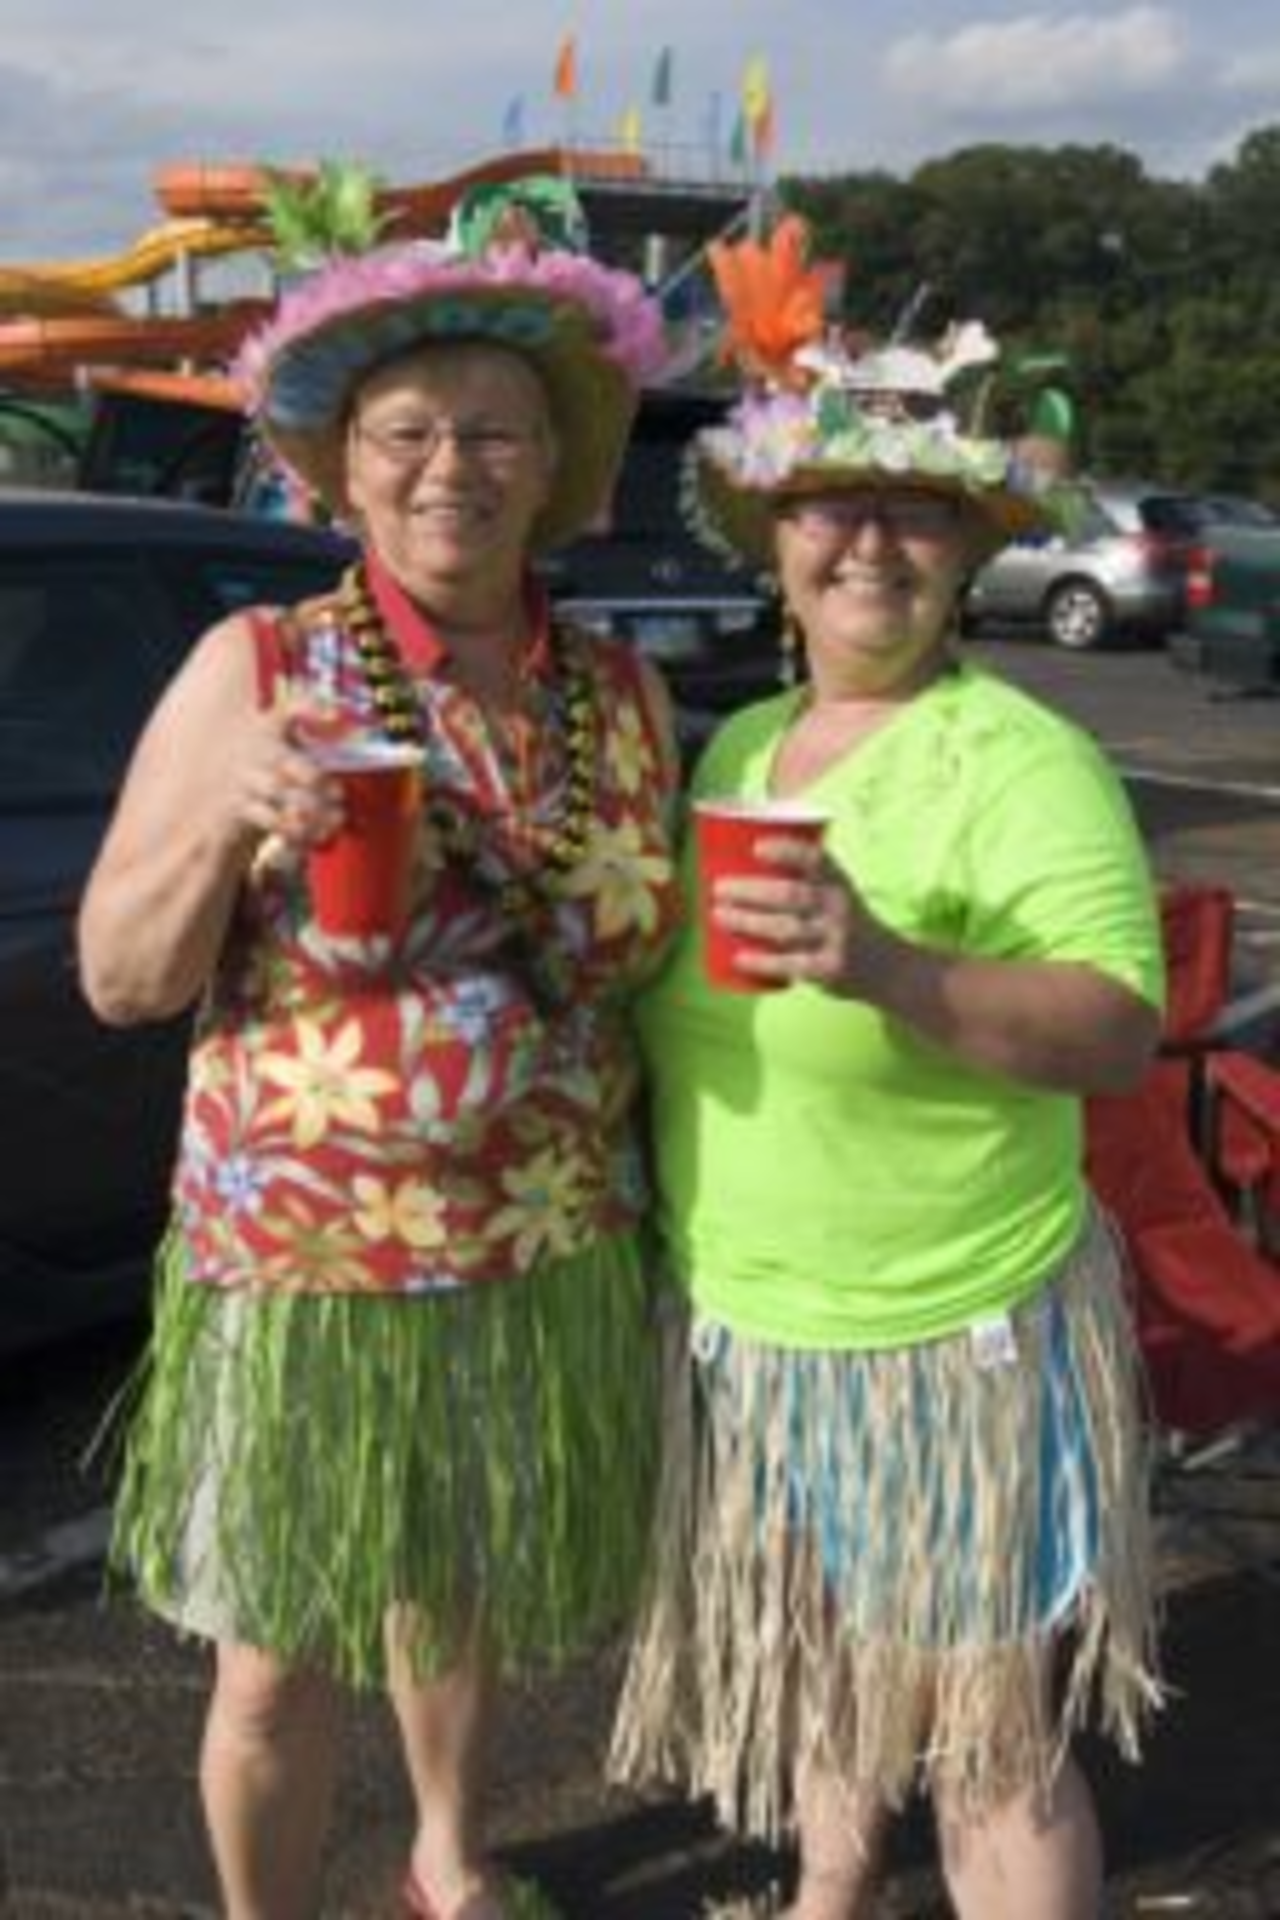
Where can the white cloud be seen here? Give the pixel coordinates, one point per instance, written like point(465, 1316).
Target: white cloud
point(1254, 72)
point(1039, 62)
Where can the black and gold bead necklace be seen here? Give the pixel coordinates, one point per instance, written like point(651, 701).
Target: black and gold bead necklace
point(562, 843)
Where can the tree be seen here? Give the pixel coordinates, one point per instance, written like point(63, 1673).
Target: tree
point(1163, 295)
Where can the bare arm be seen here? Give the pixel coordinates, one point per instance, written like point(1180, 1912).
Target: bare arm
point(1062, 1026)
point(212, 776)
point(1058, 1025)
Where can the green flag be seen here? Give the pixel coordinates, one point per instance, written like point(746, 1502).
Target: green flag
point(663, 76)
point(738, 141)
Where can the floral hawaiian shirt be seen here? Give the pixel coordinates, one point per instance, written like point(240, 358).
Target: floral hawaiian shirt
point(455, 1106)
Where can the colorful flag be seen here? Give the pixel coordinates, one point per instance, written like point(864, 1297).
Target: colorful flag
point(630, 131)
point(663, 79)
point(762, 132)
point(755, 91)
point(565, 83)
point(513, 122)
point(738, 142)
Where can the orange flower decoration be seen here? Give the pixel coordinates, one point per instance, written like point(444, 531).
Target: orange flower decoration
point(773, 300)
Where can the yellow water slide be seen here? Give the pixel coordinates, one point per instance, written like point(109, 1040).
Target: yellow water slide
point(87, 286)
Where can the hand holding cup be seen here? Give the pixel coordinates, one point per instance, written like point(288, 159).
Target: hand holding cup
point(754, 913)
point(360, 874)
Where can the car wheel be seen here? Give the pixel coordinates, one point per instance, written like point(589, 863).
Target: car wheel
point(1077, 615)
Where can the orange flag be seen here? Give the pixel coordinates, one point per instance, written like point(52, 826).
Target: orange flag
point(764, 132)
point(565, 84)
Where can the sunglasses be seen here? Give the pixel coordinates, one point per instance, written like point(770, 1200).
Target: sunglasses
point(918, 516)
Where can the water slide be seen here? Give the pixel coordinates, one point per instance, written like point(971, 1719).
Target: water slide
point(58, 320)
point(61, 345)
point(86, 286)
point(236, 193)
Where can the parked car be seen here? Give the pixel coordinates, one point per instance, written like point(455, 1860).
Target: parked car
point(1237, 510)
point(99, 601)
point(1230, 626)
point(1118, 574)
point(643, 575)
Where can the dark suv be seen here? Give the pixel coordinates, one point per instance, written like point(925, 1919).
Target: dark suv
point(704, 624)
point(99, 601)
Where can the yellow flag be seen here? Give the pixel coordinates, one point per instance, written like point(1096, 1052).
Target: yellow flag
point(756, 99)
point(630, 130)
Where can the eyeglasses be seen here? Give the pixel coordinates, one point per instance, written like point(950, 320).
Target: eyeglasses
point(407, 444)
point(908, 516)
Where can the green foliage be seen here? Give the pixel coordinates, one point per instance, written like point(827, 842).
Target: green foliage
point(332, 211)
point(1162, 297)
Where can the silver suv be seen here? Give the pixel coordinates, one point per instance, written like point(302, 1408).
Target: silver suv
point(1119, 573)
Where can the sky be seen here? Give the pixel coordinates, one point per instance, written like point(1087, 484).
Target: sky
point(95, 94)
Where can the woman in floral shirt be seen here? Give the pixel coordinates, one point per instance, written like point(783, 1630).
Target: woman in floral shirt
point(396, 1424)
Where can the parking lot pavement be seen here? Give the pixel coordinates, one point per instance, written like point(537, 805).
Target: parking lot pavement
point(1154, 718)
point(100, 1725)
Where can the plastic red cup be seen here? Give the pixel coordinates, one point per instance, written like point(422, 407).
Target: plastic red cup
point(360, 877)
point(728, 833)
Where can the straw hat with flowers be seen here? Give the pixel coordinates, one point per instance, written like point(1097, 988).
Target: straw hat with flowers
point(822, 411)
point(591, 333)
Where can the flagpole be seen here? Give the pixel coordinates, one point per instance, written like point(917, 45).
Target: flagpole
point(713, 129)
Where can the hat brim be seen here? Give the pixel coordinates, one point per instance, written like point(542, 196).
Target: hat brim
point(741, 519)
point(309, 384)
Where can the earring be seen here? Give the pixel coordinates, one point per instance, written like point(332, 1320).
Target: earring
point(789, 646)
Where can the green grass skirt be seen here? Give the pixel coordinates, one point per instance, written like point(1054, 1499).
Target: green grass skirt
point(298, 1469)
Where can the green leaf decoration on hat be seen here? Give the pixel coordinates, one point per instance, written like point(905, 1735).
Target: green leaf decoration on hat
point(538, 211)
point(1053, 415)
point(314, 219)
point(1050, 412)
point(833, 412)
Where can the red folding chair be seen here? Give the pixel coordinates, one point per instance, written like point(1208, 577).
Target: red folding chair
point(1169, 1161)
point(1243, 1140)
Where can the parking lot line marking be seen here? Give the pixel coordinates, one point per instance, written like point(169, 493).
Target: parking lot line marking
point(64, 1548)
point(1232, 789)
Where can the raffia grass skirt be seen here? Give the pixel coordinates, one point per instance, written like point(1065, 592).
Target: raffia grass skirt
point(921, 1566)
point(298, 1468)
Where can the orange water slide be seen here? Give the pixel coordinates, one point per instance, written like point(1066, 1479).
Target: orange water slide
point(39, 347)
point(217, 391)
point(230, 193)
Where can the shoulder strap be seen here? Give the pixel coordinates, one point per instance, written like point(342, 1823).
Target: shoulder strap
point(271, 650)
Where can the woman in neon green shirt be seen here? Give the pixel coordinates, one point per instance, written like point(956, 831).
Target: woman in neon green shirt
point(903, 1528)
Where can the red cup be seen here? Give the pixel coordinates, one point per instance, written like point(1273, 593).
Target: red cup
point(360, 876)
point(728, 833)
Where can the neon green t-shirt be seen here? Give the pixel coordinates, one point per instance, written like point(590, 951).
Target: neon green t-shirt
point(828, 1177)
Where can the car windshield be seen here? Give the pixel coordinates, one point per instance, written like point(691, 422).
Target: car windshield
point(68, 711)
